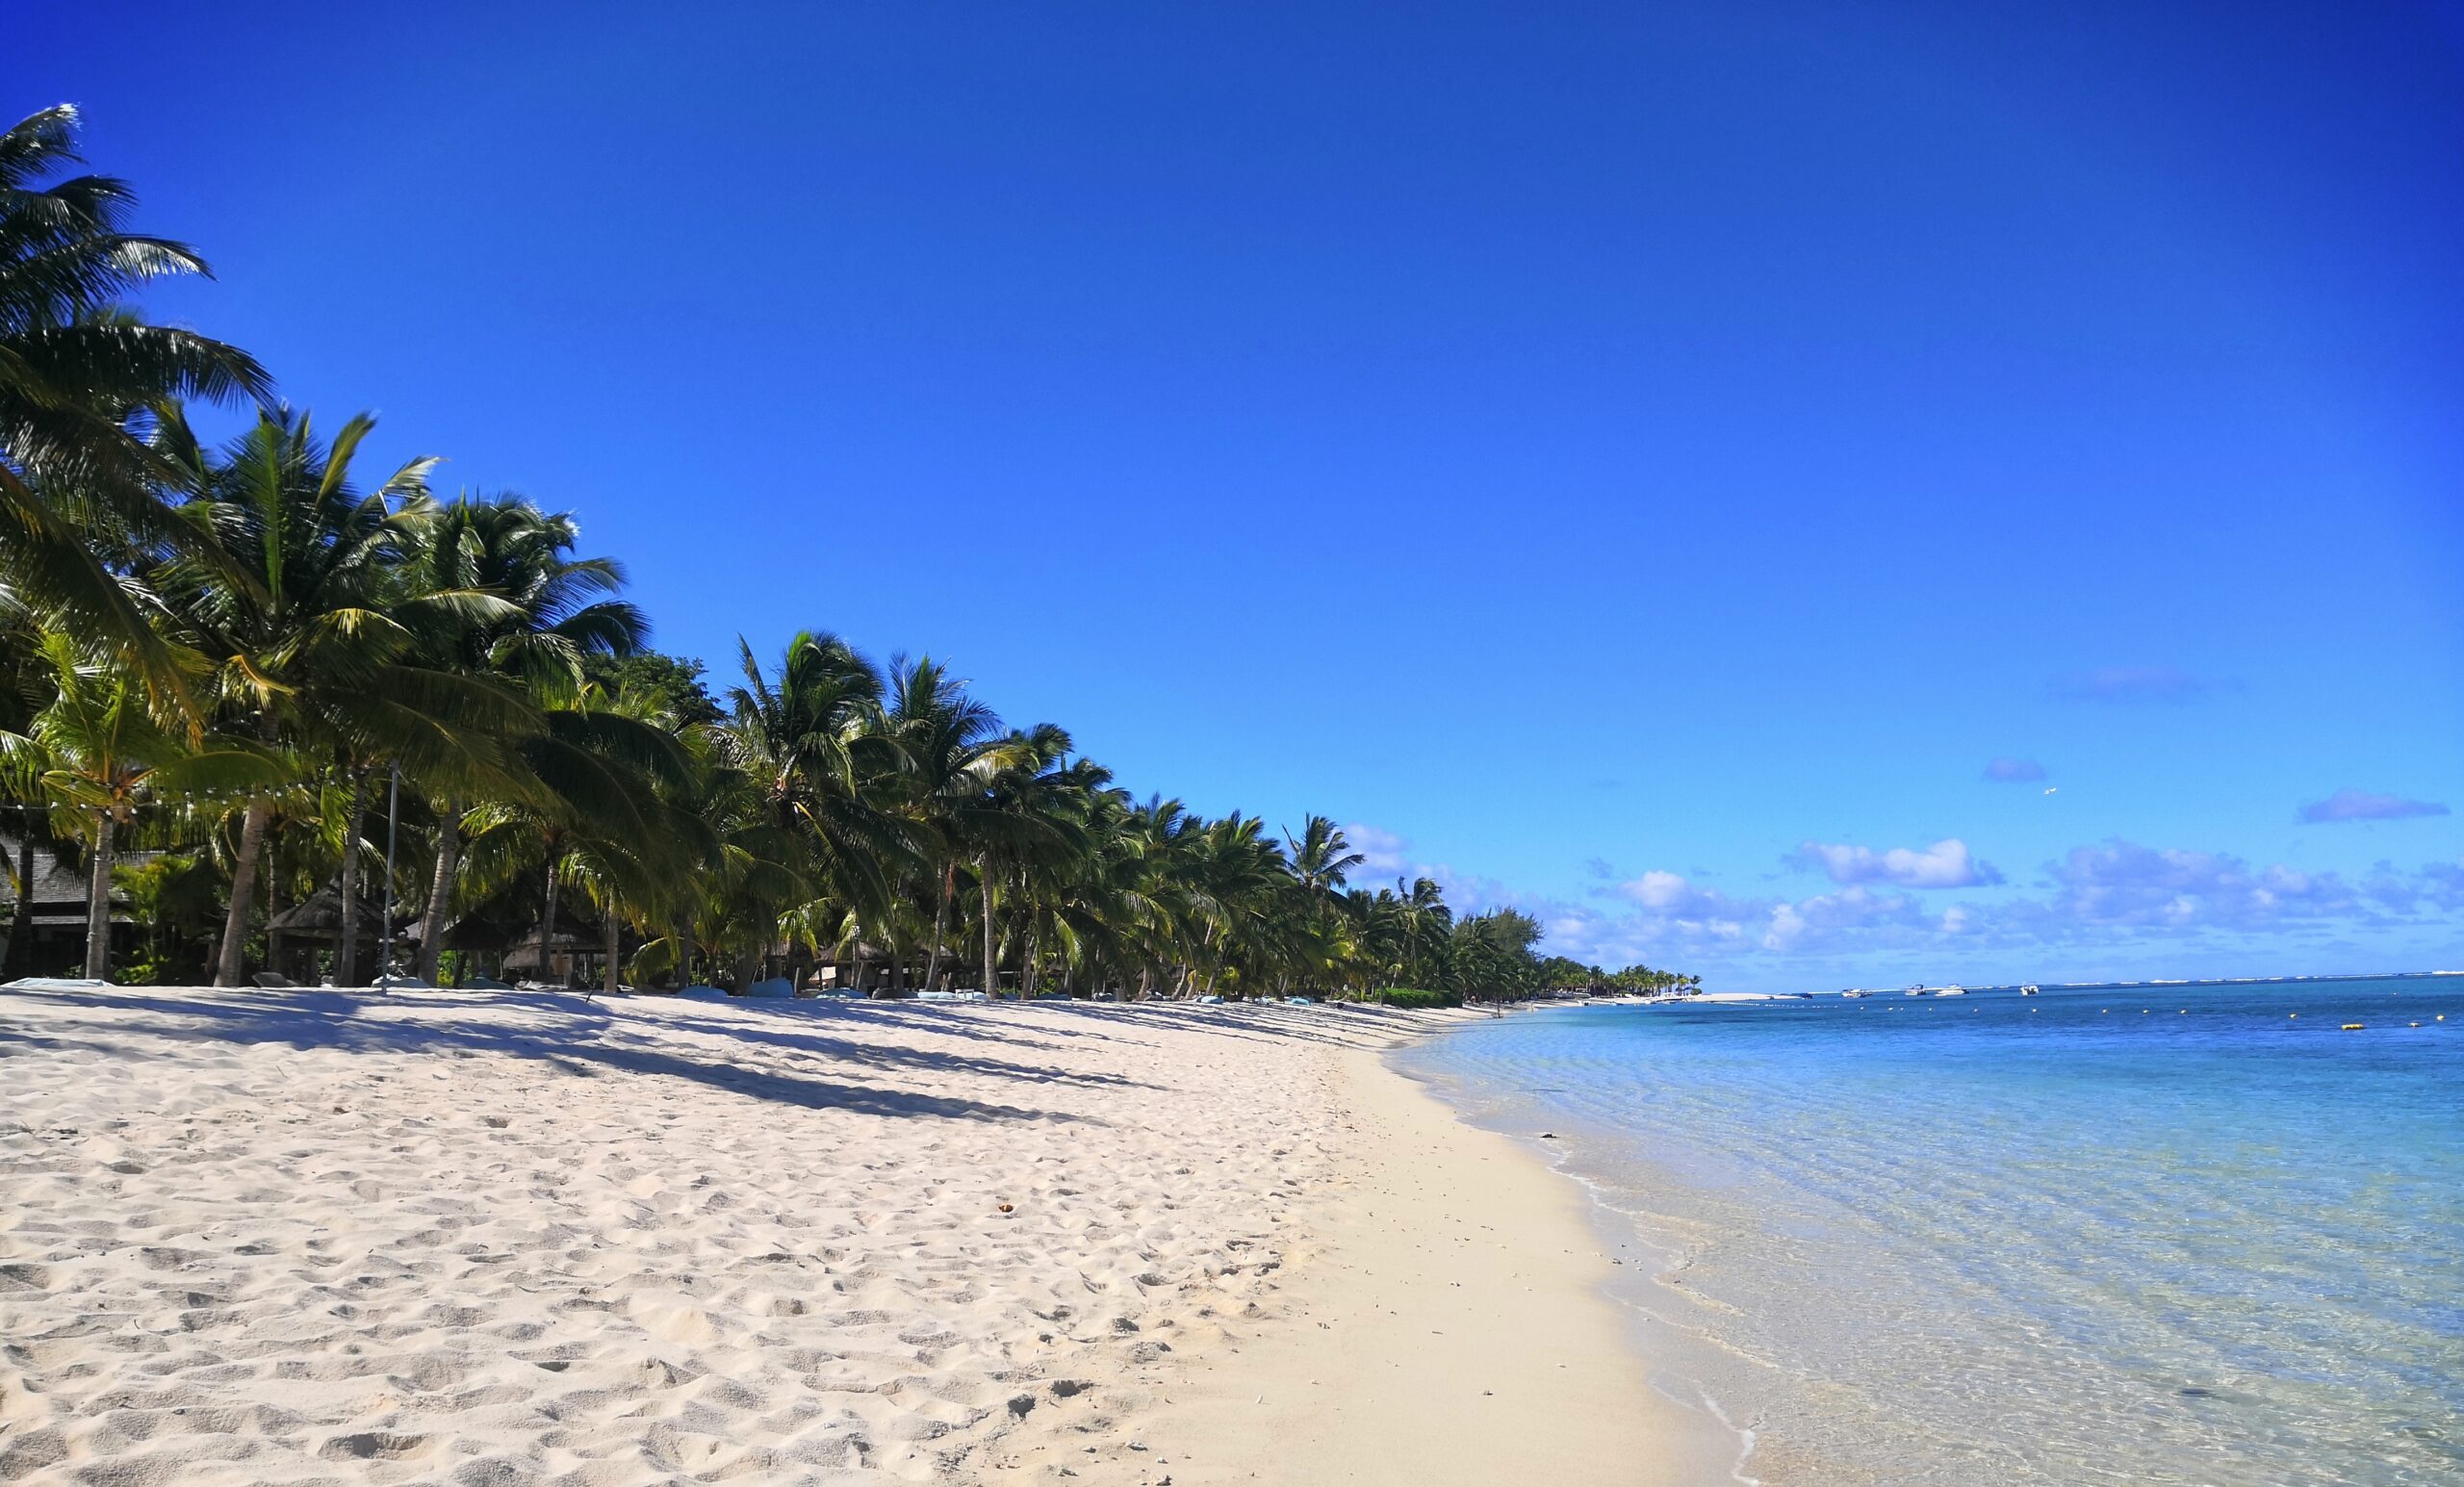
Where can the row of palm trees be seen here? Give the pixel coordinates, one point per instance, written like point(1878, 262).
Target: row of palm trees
point(284, 676)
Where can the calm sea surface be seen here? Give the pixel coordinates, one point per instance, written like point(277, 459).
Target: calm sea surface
point(2142, 1234)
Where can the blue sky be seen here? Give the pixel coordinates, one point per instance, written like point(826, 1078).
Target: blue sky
point(1646, 463)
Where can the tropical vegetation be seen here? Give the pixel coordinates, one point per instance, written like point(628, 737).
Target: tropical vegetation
point(293, 715)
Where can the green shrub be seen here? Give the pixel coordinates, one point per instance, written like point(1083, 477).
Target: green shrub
point(1415, 1001)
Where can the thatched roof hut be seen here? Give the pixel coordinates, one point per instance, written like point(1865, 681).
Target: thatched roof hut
point(571, 935)
point(320, 916)
point(470, 932)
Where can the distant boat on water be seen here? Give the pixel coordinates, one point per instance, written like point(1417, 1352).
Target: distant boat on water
point(2030, 990)
point(1952, 991)
point(1852, 991)
point(1917, 990)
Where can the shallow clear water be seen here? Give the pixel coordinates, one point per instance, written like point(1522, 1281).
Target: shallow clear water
point(2146, 1235)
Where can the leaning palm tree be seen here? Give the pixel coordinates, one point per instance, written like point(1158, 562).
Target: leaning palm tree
point(97, 752)
point(76, 485)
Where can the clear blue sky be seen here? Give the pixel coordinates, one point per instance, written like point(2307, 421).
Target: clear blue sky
point(1644, 462)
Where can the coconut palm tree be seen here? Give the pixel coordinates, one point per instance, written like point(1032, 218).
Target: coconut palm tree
point(816, 746)
point(313, 619)
point(1028, 817)
point(77, 486)
point(1320, 855)
point(558, 613)
point(951, 748)
point(595, 815)
point(96, 751)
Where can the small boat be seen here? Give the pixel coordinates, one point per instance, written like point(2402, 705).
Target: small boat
point(1952, 991)
point(1916, 991)
point(2030, 990)
point(1852, 991)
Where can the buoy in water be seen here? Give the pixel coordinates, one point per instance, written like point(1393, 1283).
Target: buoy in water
point(2353, 1027)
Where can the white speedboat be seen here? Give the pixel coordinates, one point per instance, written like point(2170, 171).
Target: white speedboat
point(1852, 991)
point(2030, 990)
point(1951, 991)
point(1916, 991)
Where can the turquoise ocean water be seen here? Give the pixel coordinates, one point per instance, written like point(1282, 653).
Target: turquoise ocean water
point(2160, 1234)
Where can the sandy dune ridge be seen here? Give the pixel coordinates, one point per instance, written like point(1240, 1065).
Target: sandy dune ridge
point(314, 1237)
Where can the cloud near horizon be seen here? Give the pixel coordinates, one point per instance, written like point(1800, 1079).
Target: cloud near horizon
point(2007, 771)
point(1386, 856)
point(2116, 895)
point(1381, 850)
point(1945, 865)
point(2352, 805)
point(2132, 685)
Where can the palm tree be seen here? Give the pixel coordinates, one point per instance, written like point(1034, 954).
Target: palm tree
point(1028, 817)
point(1321, 855)
point(76, 485)
point(951, 748)
point(557, 612)
point(1423, 921)
point(817, 749)
point(95, 750)
point(313, 620)
point(595, 815)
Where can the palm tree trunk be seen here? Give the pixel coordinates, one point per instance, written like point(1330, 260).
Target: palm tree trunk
point(273, 907)
point(1027, 963)
point(440, 892)
point(22, 925)
point(548, 923)
point(98, 901)
point(992, 956)
point(244, 876)
point(347, 957)
point(615, 932)
point(941, 928)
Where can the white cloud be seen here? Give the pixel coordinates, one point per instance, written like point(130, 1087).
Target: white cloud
point(1657, 891)
point(2351, 805)
point(1381, 850)
point(1945, 865)
point(2115, 897)
point(1386, 856)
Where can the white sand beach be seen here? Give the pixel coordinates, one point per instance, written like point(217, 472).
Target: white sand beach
point(314, 1237)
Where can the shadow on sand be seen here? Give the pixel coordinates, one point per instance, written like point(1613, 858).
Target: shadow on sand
point(568, 1032)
